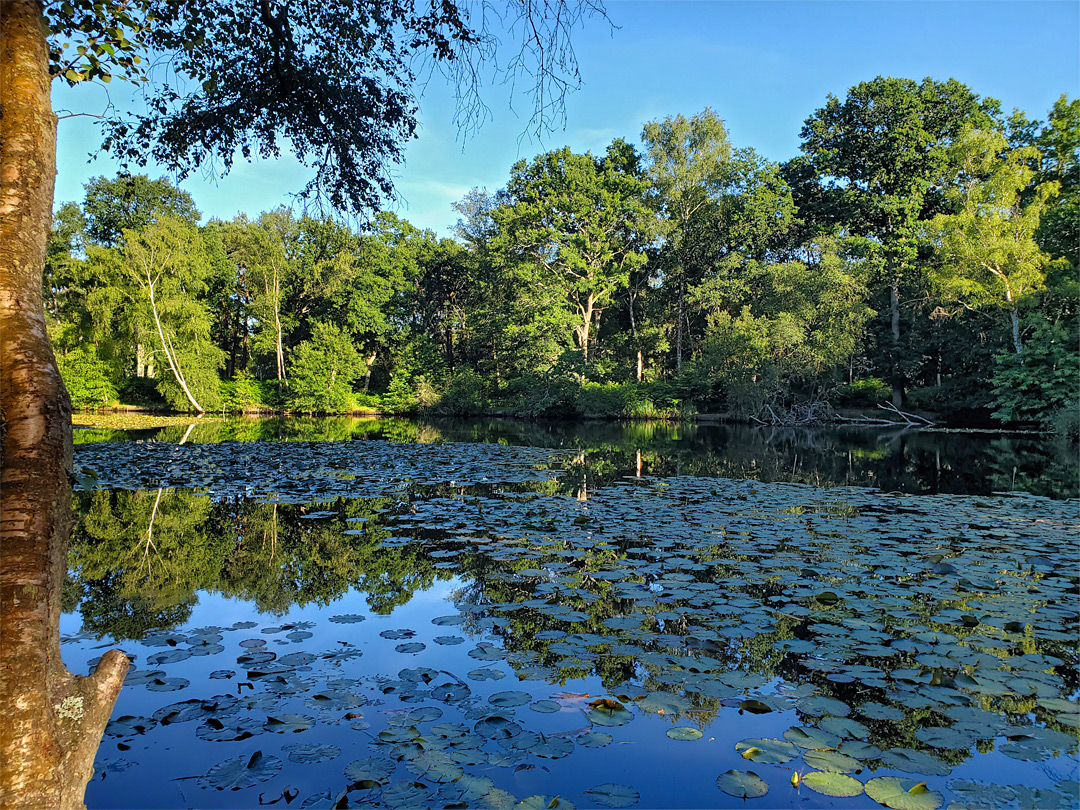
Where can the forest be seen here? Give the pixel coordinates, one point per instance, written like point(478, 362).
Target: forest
point(921, 250)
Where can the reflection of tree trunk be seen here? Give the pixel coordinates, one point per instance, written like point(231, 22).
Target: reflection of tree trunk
point(51, 721)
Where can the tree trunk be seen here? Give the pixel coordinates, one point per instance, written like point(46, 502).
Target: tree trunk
point(679, 322)
point(894, 312)
point(51, 721)
point(166, 346)
point(279, 347)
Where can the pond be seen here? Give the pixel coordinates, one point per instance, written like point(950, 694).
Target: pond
point(508, 615)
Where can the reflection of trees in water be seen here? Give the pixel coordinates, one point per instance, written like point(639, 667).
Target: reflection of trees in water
point(137, 559)
point(890, 459)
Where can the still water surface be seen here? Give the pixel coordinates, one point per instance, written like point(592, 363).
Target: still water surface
point(361, 613)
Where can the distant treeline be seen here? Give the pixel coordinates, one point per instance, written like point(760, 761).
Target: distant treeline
point(922, 249)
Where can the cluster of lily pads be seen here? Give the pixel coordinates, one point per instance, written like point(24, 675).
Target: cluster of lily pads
point(898, 638)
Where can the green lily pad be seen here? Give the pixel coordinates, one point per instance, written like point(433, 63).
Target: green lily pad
point(286, 723)
point(896, 792)
point(242, 772)
point(742, 784)
point(593, 739)
point(505, 700)
point(612, 795)
point(811, 738)
point(310, 753)
point(833, 784)
point(767, 751)
point(436, 766)
point(406, 794)
point(544, 802)
point(909, 761)
point(832, 761)
point(684, 733)
point(370, 769)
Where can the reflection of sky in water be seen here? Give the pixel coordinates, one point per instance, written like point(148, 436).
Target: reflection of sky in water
point(732, 571)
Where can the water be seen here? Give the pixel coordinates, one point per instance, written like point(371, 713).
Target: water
point(508, 614)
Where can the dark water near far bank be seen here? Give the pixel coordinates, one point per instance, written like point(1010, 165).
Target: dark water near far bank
point(889, 459)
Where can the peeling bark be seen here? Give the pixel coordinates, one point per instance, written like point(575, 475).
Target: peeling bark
point(51, 721)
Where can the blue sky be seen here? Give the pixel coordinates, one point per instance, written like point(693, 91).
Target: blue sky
point(763, 66)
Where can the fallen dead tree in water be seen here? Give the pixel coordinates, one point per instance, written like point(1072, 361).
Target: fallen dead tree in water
point(821, 412)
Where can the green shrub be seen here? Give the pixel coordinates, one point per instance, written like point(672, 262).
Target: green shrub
point(86, 378)
point(466, 394)
point(203, 382)
point(243, 394)
point(535, 395)
point(1044, 381)
point(864, 391)
point(364, 400)
point(321, 371)
point(400, 397)
point(601, 400)
point(1066, 422)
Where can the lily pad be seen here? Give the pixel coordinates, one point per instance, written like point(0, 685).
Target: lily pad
point(509, 699)
point(371, 769)
point(833, 784)
point(310, 753)
point(903, 794)
point(767, 751)
point(242, 772)
point(612, 795)
point(684, 733)
point(742, 784)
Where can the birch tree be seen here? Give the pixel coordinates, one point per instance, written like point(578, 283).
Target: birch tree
point(167, 264)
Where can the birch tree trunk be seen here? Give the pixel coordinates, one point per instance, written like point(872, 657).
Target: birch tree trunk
point(166, 346)
point(51, 721)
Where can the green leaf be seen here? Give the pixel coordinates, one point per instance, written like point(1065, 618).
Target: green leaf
point(612, 795)
point(833, 784)
point(545, 802)
point(742, 784)
point(895, 792)
point(767, 751)
point(684, 733)
point(242, 772)
point(832, 761)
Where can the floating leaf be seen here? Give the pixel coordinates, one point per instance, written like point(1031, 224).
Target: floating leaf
point(684, 733)
point(833, 784)
point(436, 766)
point(370, 769)
point(288, 723)
point(309, 753)
point(544, 802)
point(612, 795)
point(509, 699)
point(811, 738)
point(406, 794)
point(895, 792)
point(593, 739)
point(242, 772)
point(832, 761)
point(742, 784)
point(767, 751)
